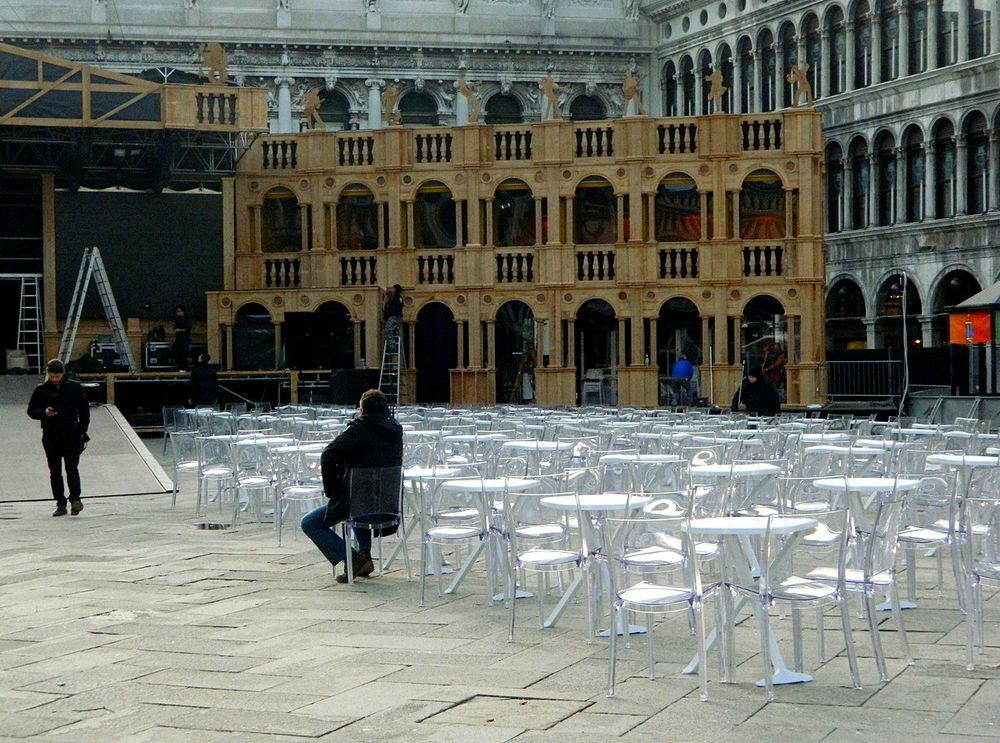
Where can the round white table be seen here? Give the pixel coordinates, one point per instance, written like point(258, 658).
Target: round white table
point(736, 532)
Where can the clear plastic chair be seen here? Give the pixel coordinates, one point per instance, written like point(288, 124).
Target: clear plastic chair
point(376, 495)
point(980, 526)
point(215, 468)
point(651, 581)
point(184, 445)
point(788, 577)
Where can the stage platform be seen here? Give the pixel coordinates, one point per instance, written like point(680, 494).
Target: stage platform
point(116, 461)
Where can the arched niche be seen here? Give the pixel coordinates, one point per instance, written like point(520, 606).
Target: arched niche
point(677, 209)
point(515, 352)
point(357, 218)
point(253, 339)
point(762, 207)
point(434, 217)
point(513, 214)
point(845, 314)
point(418, 109)
point(281, 222)
point(436, 352)
point(595, 212)
point(503, 110)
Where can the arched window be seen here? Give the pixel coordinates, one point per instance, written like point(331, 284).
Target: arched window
point(814, 53)
point(954, 288)
point(745, 61)
point(916, 174)
point(764, 338)
point(434, 217)
point(789, 59)
point(838, 51)
point(979, 34)
point(687, 85)
point(595, 213)
point(834, 188)
point(977, 149)
point(862, 63)
point(947, 32)
point(918, 36)
point(860, 182)
point(889, 42)
point(281, 228)
point(677, 209)
point(418, 109)
point(885, 151)
point(944, 170)
point(586, 108)
point(513, 214)
point(669, 89)
point(766, 68)
point(335, 111)
point(503, 109)
point(762, 206)
point(706, 70)
point(726, 60)
point(845, 313)
point(253, 339)
point(357, 219)
point(889, 312)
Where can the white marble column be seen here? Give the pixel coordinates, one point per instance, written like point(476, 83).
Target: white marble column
point(847, 218)
point(930, 181)
point(374, 103)
point(758, 76)
point(283, 85)
point(699, 93)
point(876, 51)
point(904, 38)
point(850, 62)
point(826, 72)
point(993, 192)
point(964, 23)
point(779, 77)
point(933, 24)
point(995, 27)
point(737, 107)
point(961, 175)
point(902, 173)
point(873, 186)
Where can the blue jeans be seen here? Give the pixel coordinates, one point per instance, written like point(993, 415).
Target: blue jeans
point(328, 539)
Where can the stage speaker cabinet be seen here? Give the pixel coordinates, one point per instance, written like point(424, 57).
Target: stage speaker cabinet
point(346, 385)
point(158, 356)
point(107, 355)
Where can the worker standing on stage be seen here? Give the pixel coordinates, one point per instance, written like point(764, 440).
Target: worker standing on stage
point(182, 337)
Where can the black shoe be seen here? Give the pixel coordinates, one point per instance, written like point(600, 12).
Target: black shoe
point(363, 567)
point(60, 510)
point(75, 506)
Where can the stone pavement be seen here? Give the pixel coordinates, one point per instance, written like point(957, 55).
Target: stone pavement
point(127, 623)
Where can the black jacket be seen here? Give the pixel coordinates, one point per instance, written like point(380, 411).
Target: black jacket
point(68, 400)
point(758, 397)
point(370, 441)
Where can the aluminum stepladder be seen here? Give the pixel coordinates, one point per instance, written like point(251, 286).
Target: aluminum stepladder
point(29, 322)
point(93, 266)
point(390, 373)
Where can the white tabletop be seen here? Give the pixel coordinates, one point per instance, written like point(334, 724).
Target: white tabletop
point(470, 438)
point(883, 443)
point(826, 436)
point(865, 484)
point(970, 460)
point(423, 473)
point(970, 434)
point(597, 501)
point(488, 484)
point(532, 445)
point(749, 469)
point(914, 431)
point(635, 458)
point(833, 449)
point(740, 525)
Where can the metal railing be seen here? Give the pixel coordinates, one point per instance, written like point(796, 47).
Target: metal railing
point(863, 380)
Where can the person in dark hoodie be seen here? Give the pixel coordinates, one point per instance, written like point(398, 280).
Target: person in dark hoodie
point(373, 439)
point(757, 395)
point(61, 406)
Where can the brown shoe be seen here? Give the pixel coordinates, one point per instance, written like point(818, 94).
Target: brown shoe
point(363, 567)
point(75, 506)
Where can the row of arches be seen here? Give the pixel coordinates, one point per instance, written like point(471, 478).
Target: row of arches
point(847, 47)
point(915, 175)
point(325, 339)
point(420, 108)
point(516, 216)
point(872, 317)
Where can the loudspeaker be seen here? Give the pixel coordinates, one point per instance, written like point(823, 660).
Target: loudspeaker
point(107, 355)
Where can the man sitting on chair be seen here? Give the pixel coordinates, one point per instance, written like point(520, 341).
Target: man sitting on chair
point(373, 439)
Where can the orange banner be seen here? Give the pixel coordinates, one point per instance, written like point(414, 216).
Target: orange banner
point(969, 328)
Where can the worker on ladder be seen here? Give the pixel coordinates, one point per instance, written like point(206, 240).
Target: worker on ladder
point(392, 311)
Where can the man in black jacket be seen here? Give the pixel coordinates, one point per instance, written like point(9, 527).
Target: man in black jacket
point(61, 405)
point(757, 395)
point(373, 439)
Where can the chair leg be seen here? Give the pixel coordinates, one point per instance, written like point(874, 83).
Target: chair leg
point(883, 673)
point(797, 639)
point(649, 643)
point(852, 656)
point(699, 621)
point(897, 613)
point(612, 650)
point(765, 652)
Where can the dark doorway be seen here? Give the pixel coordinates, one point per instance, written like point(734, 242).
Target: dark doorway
point(253, 339)
point(323, 339)
point(436, 352)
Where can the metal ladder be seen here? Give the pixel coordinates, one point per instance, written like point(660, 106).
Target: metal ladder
point(390, 375)
point(29, 322)
point(93, 266)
